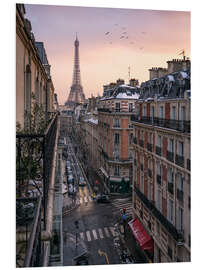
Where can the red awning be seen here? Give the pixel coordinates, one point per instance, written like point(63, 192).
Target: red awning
point(144, 239)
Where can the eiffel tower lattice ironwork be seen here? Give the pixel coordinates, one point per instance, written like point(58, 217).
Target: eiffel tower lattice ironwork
point(76, 95)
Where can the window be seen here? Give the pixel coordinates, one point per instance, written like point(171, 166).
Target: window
point(170, 175)
point(116, 122)
point(152, 111)
point(116, 138)
point(117, 107)
point(171, 145)
point(161, 112)
point(180, 149)
point(173, 113)
point(137, 110)
point(116, 170)
point(37, 97)
point(150, 138)
point(130, 107)
point(159, 200)
point(180, 181)
point(144, 111)
point(158, 168)
point(142, 184)
point(170, 210)
point(180, 219)
point(159, 141)
point(131, 138)
point(182, 113)
point(28, 89)
point(150, 191)
point(142, 135)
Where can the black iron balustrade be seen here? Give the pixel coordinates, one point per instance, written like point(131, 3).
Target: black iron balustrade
point(104, 110)
point(149, 147)
point(180, 160)
point(34, 157)
point(170, 156)
point(180, 195)
point(179, 125)
point(158, 150)
point(28, 220)
point(158, 179)
point(141, 143)
point(158, 215)
point(170, 187)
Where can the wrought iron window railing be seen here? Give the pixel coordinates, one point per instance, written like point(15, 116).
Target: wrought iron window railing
point(177, 235)
point(34, 163)
point(179, 125)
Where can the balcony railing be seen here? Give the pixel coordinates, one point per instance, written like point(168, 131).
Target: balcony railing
point(180, 160)
point(158, 179)
point(179, 125)
point(188, 164)
point(170, 156)
point(149, 147)
point(120, 160)
point(157, 214)
point(34, 158)
point(180, 195)
point(141, 143)
point(158, 150)
point(170, 187)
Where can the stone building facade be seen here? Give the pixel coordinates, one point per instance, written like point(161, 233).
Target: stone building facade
point(32, 70)
point(161, 167)
point(115, 135)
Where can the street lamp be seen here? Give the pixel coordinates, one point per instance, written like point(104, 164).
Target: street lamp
point(76, 234)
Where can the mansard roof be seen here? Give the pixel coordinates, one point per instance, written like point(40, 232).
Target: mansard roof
point(170, 86)
point(122, 91)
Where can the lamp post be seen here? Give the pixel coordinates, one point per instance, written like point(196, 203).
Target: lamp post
point(76, 234)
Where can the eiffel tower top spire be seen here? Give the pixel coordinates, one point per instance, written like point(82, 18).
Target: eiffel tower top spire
point(76, 93)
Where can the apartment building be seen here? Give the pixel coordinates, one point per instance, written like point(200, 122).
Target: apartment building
point(115, 134)
point(161, 166)
point(33, 77)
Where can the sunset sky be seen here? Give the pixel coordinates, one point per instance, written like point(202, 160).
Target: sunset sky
point(154, 37)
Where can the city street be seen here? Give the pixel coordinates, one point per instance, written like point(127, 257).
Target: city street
point(95, 233)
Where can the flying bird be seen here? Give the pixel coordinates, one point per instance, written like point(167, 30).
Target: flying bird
point(124, 33)
point(126, 37)
point(143, 33)
point(107, 33)
point(123, 27)
point(121, 37)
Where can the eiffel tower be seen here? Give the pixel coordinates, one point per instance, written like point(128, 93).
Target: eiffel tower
point(76, 95)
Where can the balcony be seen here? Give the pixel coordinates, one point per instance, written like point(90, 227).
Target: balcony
point(179, 125)
point(180, 160)
point(107, 110)
point(34, 168)
point(156, 213)
point(158, 150)
point(158, 179)
point(141, 143)
point(188, 164)
point(149, 147)
point(120, 160)
point(150, 173)
point(170, 156)
point(170, 187)
point(180, 195)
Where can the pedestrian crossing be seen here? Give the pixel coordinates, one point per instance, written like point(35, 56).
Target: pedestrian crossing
point(98, 234)
point(120, 204)
point(85, 199)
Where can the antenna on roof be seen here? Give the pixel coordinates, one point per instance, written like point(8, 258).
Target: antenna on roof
point(183, 53)
point(129, 72)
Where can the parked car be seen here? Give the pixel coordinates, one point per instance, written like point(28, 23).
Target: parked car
point(70, 179)
point(82, 181)
point(103, 198)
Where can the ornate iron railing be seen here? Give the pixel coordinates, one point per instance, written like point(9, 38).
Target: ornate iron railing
point(34, 158)
point(179, 125)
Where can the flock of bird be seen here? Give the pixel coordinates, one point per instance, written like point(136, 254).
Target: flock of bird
point(123, 35)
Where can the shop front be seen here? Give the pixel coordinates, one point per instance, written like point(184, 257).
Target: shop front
point(143, 240)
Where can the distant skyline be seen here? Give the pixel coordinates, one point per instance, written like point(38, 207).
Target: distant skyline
point(111, 40)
